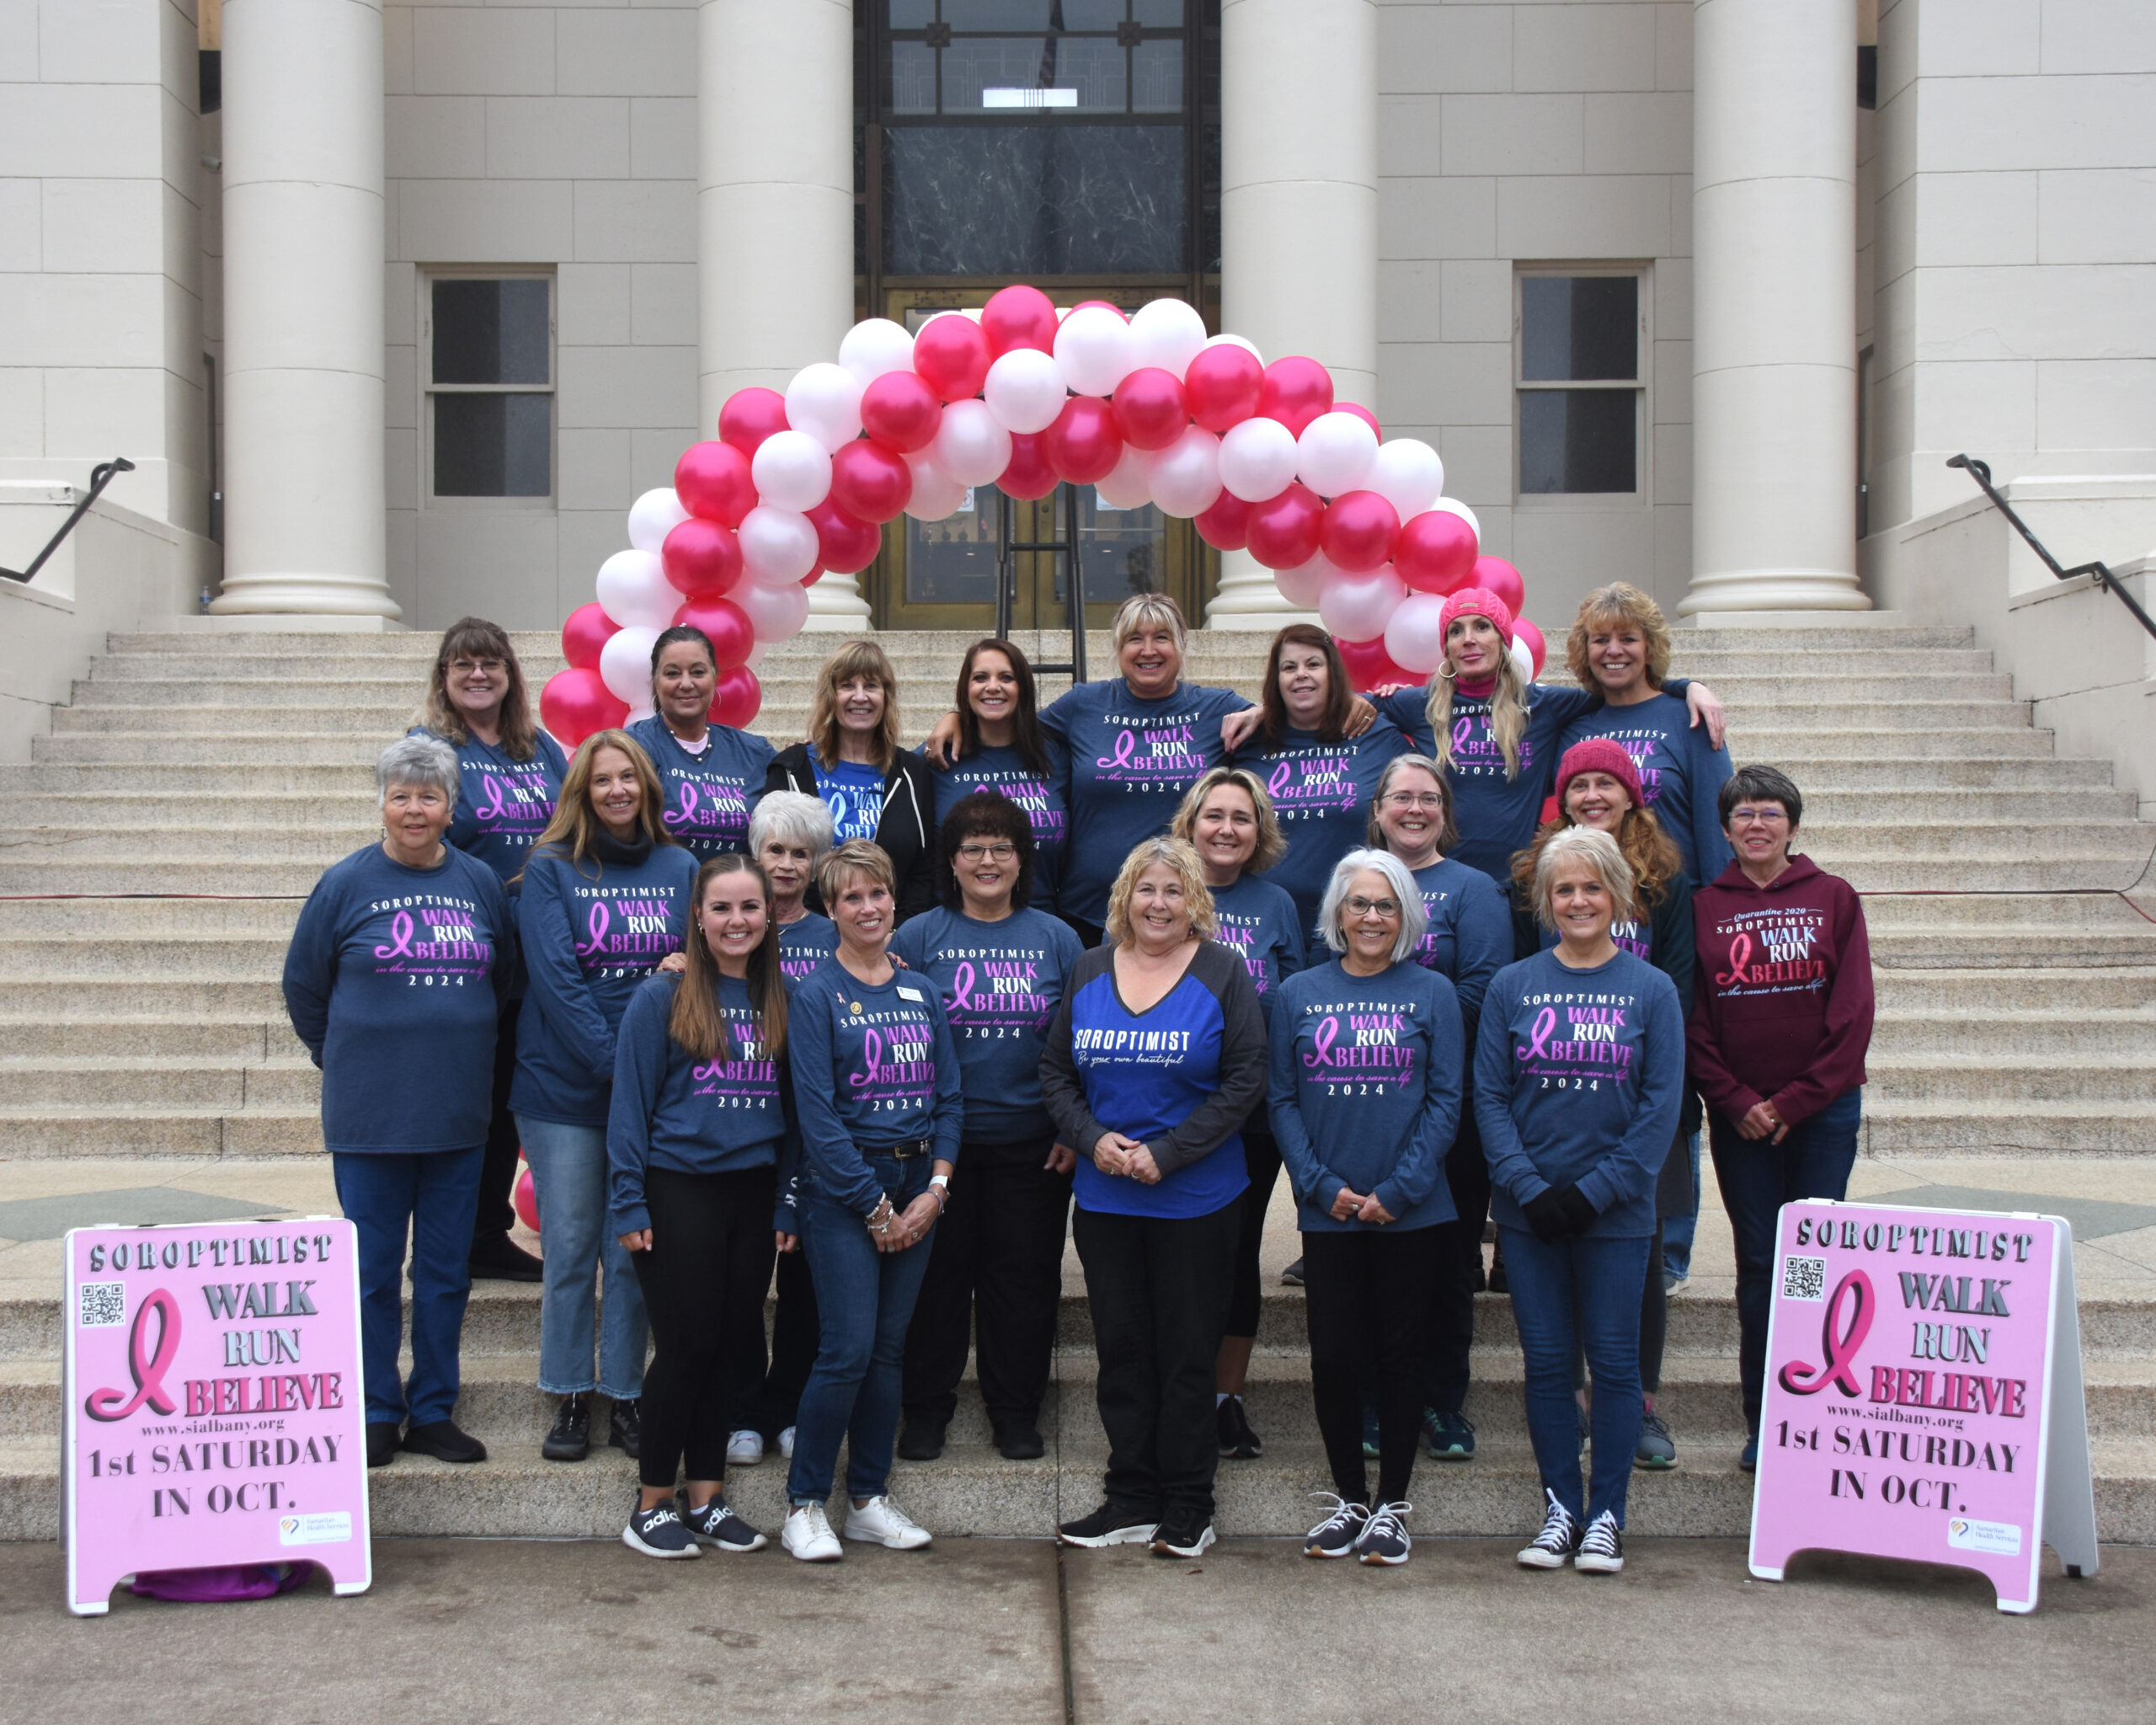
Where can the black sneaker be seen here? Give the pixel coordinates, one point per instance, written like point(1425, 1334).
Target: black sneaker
point(570, 1438)
point(1108, 1526)
point(1021, 1440)
point(1237, 1440)
point(383, 1437)
point(442, 1440)
point(660, 1533)
point(716, 1524)
point(1498, 1284)
point(1181, 1534)
point(922, 1440)
point(625, 1427)
point(1292, 1276)
point(501, 1259)
point(1602, 1551)
point(1559, 1539)
point(1336, 1535)
point(1448, 1436)
point(1385, 1541)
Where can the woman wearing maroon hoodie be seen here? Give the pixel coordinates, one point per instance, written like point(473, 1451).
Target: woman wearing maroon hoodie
point(1781, 1017)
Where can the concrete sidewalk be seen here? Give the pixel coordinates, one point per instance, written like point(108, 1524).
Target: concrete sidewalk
point(992, 1630)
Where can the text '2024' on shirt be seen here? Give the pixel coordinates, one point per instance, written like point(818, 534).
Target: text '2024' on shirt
point(392, 981)
point(710, 793)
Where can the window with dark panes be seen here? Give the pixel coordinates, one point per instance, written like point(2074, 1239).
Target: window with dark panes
point(489, 344)
point(1581, 382)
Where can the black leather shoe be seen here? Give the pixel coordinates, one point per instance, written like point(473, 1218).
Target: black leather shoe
point(922, 1440)
point(501, 1259)
point(570, 1439)
point(443, 1440)
point(1021, 1441)
point(383, 1438)
point(625, 1427)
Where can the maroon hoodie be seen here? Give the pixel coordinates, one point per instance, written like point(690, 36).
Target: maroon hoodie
point(1781, 1008)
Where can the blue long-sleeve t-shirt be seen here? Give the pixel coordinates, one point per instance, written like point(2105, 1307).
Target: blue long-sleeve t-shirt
point(1000, 984)
point(873, 1066)
point(1002, 771)
point(393, 981)
point(1681, 773)
point(671, 1110)
point(1579, 1077)
point(1364, 1091)
point(503, 804)
point(1470, 937)
point(1127, 763)
point(1321, 793)
point(709, 797)
point(1259, 923)
point(591, 932)
point(804, 944)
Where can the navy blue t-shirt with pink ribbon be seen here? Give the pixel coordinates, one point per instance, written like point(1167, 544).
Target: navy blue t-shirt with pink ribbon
point(1321, 795)
point(709, 796)
point(503, 804)
point(392, 981)
point(873, 1066)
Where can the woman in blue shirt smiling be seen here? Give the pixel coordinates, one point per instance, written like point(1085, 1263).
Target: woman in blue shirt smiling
point(1002, 748)
point(713, 773)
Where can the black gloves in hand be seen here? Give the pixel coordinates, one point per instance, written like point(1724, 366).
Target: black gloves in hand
point(1573, 1210)
point(1545, 1214)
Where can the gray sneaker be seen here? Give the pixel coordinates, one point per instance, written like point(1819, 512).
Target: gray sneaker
point(1656, 1452)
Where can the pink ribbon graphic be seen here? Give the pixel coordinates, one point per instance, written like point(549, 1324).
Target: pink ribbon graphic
point(1328, 1032)
point(1740, 955)
point(1283, 776)
point(1463, 730)
point(495, 789)
point(961, 984)
point(688, 805)
point(1538, 1038)
point(600, 918)
point(400, 932)
point(1800, 1379)
point(1125, 744)
point(871, 1048)
point(109, 1405)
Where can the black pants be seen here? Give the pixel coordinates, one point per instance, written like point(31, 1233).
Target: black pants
point(994, 1276)
point(1368, 1295)
point(704, 1283)
point(1460, 1256)
point(1159, 1293)
point(796, 1338)
point(497, 1216)
point(1262, 1162)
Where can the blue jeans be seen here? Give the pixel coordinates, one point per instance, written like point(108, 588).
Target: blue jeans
point(865, 1300)
point(1677, 1231)
point(576, 1236)
point(1585, 1292)
point(1756, 1178)
point(435, 1196)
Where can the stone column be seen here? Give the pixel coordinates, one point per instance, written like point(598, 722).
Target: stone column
point(775, 210)
point(304, 498)
point(1299, 215)
point(1773, 337)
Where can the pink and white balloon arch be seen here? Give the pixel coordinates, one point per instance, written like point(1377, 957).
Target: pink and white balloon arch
point(1145, 407)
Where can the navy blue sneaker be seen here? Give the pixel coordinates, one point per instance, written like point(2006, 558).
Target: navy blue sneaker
point(1749, 1459)
point(1448, 1436)
point(658, 1533)
point(716, 1524)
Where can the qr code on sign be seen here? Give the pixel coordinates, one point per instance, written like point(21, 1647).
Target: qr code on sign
point(104, 1304)
point(1804, 1278)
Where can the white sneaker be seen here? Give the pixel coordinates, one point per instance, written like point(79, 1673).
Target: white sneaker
point(880, 1521)
point(808, 1536)
point(786, 1444)
point(744, 1450)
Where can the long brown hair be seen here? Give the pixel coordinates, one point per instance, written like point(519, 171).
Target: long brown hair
point(1339, 695)
point(696, 1022)
point(1649, 852)
point(475, 637)
point(1024, 724)
point(855, 659)
point(569, 833)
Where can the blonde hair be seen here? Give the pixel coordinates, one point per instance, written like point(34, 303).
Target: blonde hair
point(1619, 602)
point(1600, 852)
point(475, 637)
point(569, 833)
point(1150, 611)
point(855, 659)
point(1189, 872)
point(835, 868)
point(1508, 713)
point(1272, 843)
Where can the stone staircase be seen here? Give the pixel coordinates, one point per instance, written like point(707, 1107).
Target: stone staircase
point(155, 851)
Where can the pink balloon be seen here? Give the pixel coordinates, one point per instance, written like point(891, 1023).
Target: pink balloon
point(724, 623)
point(1017, 316)
point(1523, 630)
point(713, 479)
point(1150, 409)
point(576, 702)
point(1284, 531)
point(1494, 574)
point(1226, 526)
point(951, 357)
point(900, 411)
point(525, 1195)
point(1363, 413)
point(1435, 553)
point(845, 542)
point(584, 633)
point(749, 417)
point(1294, 391)
point(702, 558)
point(1104, 306)
point(1222, 386)
point(1370, 666)
point(1028, 476)
point(1082, 445)
point(738, 698)
point(1358, 531)
point(870, 482)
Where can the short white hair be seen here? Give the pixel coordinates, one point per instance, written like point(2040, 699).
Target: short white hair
point(1600, 852)
point(419, 760)
point(793, 818)
point(1414, 917)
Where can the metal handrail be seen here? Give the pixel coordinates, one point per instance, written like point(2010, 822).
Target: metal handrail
point(2099, 572)
point(101, 476)
point(1007, 581)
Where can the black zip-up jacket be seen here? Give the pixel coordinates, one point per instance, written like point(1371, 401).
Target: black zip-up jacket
point(907, 831)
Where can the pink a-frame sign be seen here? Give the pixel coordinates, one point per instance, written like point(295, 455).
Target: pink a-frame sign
point(1923, 1395)
point(214, 1410)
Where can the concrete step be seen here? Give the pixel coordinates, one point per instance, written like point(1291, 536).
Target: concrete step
point(67, 845)
point(256, 811)
point(2001, 838)
point(2093, 911)
point(159, 1082)
point(173, 1037)
point(2057, 1035)
point(1955, 806)
point(101, 1000)
point(1941, 1079)
point(2047, 870)
point(184, 874)
point(149, 919)
point(2012, 1127)
point(82, 1132)
point(2019, 951)
point(257, 958)
point(1899, 990)
point(121, 781)
point(1794, 744)
point(1834, 775)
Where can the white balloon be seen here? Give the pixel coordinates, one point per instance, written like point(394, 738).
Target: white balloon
point(755, 656)
point(1092, 350)
point(1453, 506)
point(937, 495)
point(1025, 392)
point(1248, 347)
point(971, 445)
point(1185, 477)
point(638, 714)
point(625, 661)
point(1167, 333)
point(1304, 584)
point(876, 345)
point(1334, 454)
point(634, 592)
point(1257, 459)
point(777, 613)
point(825, 401)
point(777, 545)
point(1357, 607)
point(1415, 633)
point(1522, 658)
point(1130, 485)
point(791, 470)
point(652, 516)
point(1406, 474)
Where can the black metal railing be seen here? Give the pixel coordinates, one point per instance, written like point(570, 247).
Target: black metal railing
point(2101, 572)
point(101, 476)
point(1073, 584)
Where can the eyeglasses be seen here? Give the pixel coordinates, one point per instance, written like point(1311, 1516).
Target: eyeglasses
point(1001, 851)
point(1414, 799)
point(1771, 815)
point(465, 667)
point(1366, 907)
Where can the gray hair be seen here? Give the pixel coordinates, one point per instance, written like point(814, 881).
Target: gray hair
point(1600, 852)
point(1150, 611)
point(416, 761)
point(1414, 914)
point(793, 818)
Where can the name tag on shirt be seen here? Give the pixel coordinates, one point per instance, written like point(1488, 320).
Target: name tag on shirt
point(911, 994)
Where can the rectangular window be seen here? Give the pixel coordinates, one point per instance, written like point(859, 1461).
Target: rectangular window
point(1581, 342)
point(489, 366)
